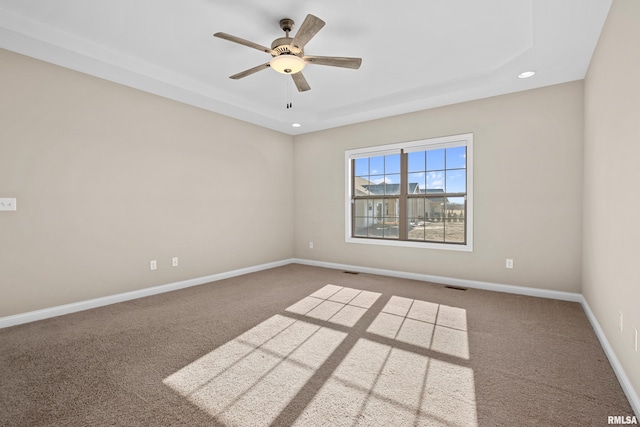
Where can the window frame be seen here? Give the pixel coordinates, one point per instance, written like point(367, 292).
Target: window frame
point(406, 147)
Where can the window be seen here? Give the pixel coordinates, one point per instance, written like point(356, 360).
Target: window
point(416, 194)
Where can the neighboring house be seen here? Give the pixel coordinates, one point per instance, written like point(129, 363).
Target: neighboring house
point(434, 207)
point(387, 210)
point(389, 189)
point(381, 210)
point(360, 185)
point(372, 211)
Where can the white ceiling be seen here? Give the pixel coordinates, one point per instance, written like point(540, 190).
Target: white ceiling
point(417, 54)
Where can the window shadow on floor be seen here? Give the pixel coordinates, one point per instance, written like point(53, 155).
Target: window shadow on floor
point(340, 356)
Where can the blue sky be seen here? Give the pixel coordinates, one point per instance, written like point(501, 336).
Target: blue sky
point(433, 169)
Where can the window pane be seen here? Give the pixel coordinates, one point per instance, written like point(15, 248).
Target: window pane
point(392, 186)
point(363, 218)
point(377, 184)
point(435, 160)
point(416, 209)
point(362, 167)
point(392, 164)
point(360, 207)
point(457, 158)
point(435, 181)
point(390, 223)
point(416, 183)
point(416, 230)
point(359, 228)
point(416, 161)
point(434, 208)
point(434, 231)
point(388, 209)
point(392, 179)
point(361, 186)
point(417, 218)
point(456, 181)
point(376, 165)
point(378, 210)
point(391, 229)
point(434, 227)
point(364, 228)
point(455, 225)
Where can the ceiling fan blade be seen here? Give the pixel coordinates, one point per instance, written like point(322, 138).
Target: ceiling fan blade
point(244, 42)
point(308, 29)
point(301, 82)
point(250, 71)
point(334, 61)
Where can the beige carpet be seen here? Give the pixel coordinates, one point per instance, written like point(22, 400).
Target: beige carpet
point(307, 346)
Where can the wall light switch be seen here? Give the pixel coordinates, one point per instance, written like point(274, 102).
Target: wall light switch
point(7, 204)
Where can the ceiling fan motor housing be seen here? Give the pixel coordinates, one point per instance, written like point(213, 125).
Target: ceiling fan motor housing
point(283, 47)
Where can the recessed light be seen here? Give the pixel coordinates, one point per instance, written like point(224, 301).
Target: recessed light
point(526, 74)
point(296, 125)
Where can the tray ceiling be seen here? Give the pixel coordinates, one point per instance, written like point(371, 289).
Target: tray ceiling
point(416, 54)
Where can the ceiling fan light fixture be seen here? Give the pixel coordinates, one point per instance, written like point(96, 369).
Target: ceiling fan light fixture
point(287, 64)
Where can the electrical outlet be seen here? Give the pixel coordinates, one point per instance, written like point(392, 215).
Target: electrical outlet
point(509, 263)
point(7, 204)
point(174, 261)
point(310, 245)
point(153, 265)
point(620, 321)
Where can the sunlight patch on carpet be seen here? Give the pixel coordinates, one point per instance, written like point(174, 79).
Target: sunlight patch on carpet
point(377, 384)
point(256, 375)
point(424, 324)
point(336, 304)
point(389, 375)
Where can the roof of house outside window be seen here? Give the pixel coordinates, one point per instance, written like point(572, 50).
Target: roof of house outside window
point(384, 188)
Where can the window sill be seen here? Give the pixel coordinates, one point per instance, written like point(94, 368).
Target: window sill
point(410, 244)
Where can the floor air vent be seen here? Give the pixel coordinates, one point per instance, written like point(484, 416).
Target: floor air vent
point(351, 272)
point(456, 288)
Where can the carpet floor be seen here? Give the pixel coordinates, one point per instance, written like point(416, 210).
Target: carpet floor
point(307, 346)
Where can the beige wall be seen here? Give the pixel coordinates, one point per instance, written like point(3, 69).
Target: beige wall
point(108, 178)
point(528, 189)
point(611, 270)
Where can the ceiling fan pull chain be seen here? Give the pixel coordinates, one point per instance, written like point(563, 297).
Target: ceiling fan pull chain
point(289, 103)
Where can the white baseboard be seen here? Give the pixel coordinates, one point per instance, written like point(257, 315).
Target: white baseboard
point(625, 383)
point(60, 310)
point(511, 289)
point(629, 391)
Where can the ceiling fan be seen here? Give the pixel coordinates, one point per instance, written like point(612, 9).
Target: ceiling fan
point(288, 53)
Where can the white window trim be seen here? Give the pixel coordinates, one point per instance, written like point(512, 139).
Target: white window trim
point(446, 141)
